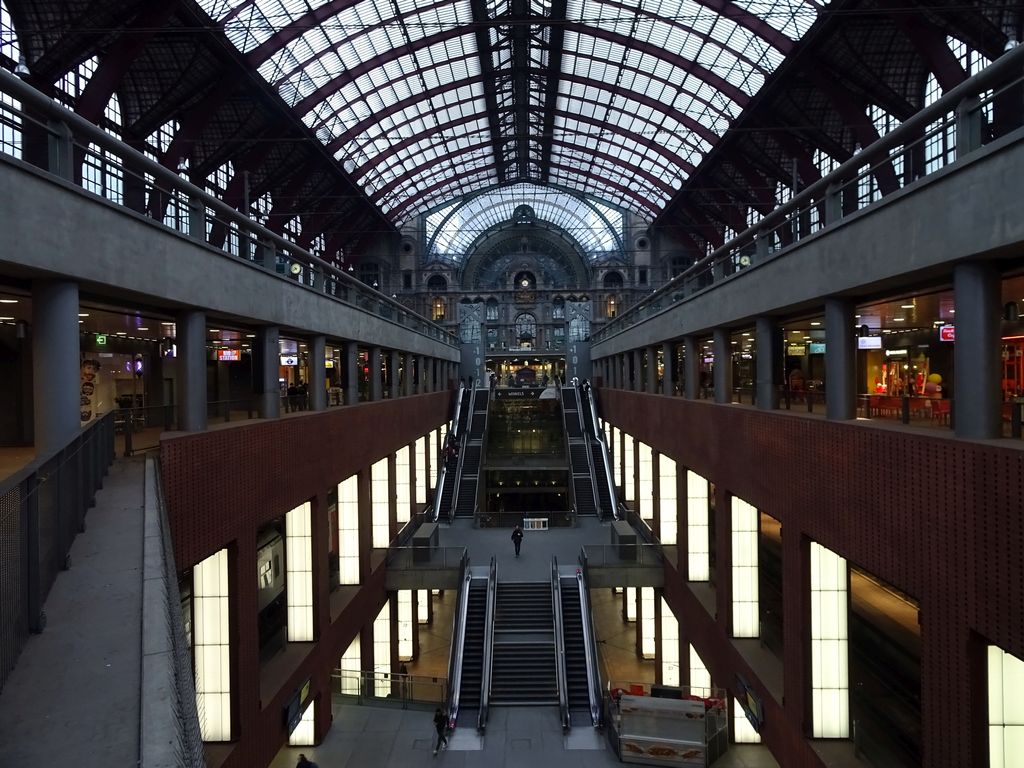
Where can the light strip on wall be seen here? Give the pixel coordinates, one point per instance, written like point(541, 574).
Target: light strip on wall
point(350, 667)
point(630, 603)
point(617, 463)
point(645, 480)
point(304, 734)
point(628, 476)
point(405, 606)
point(421, 471)
point(745, 617)
point(403, 493)
point(648, 626)
point(830, 683)
point(670, 674)
point(380, 504)
point(698, 555)
point(348, 530)
point(211, 646)
point(743, 731)
point(298, 540)
point(432, 456)
point(668, 503)
point(423, 606)
point(1005, 708)
point(700, 677)
point(382, 651)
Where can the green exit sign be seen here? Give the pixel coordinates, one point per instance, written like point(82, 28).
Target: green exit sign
point(101, 339)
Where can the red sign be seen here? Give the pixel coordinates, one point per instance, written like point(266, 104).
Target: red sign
point(225, 355)
point(946, 332)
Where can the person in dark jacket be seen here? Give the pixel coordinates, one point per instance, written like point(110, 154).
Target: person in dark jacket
point(517, 538)
point(441, 726)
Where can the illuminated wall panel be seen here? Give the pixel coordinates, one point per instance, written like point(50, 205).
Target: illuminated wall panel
point(211, 646)
point(630, 603)
point(1005, 708)
point(668, 503)
point(303, 735)
point(700, 677)
point(403, 492)
point(629, 479)
point(298, 540)
point(743, 731)
point(670, 673)
point(351, 665)
point(423, 606)
point(382, 652)
point(744, 569)
point(380, 504)
point(645, 481)
point(616, 444)
point(348, 531)
point(648, 636)
point(421, 472)
point(830, 684)
point(405, 619)
point(698, 554)
point(433, 451)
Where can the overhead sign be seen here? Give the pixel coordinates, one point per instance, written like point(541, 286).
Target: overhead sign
point(795, 350)
point(947, 333)
point(229, 355)
point(869, 342)
point(817, 348)
point(101, 339)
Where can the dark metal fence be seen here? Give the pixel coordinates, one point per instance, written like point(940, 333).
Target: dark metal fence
point(42, 509)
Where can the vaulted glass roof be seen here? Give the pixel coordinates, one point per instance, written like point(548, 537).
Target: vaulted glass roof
point(423, 102)
point(452, 229)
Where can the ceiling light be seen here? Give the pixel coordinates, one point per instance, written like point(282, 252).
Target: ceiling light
point(906, 306)
point(120, 333)
point(166, 323)
point(815, 322)
point(215, 330)
point(745, 334)
point(6, 318)
point(8, 301)
point(21, 70)
point(142, 328)
point(83, 314)
point(898, 319)
point(250, 335)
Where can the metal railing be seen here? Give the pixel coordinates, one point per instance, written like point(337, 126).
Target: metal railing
point(606, 462)
point(618, 555)
point(390, 687)
point(42, 510)
point(89, 157)
point(594, 686)
point(560, 673)
point(424, 558)
point(458, 643)
point(958, 120)
point(489, 617)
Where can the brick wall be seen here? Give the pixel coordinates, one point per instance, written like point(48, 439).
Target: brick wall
point(939, 518)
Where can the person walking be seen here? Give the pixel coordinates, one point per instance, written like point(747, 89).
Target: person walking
point(441, 726)
point(517, 538)
point(304, 763)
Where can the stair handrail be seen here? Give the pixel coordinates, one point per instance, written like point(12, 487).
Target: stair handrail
point(605, 458)
point(594, 685)
point(458, 642)
point(563, 683)
point(485, 673)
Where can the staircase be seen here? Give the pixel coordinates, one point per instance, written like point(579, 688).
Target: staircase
point(523, 667)
point(479, 423)
point(579, 463)
point(575, 653)
point(473, 647)
point(466, 501)
point(570, 408)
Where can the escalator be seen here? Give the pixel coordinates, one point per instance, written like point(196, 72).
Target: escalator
point(584, 497)
point(473, 647)
point(448, 477)
point(600, 461)
point(472, 453)
point(577, 691)
point(472, 639)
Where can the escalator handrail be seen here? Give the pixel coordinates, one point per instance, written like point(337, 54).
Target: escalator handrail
point(485, 673)
point(563, 683)
point(458, 410)
point(605, 459)
point(594, 686)
point(458, 642)
point(443, 474)
point(591, 469)
point(463, 442)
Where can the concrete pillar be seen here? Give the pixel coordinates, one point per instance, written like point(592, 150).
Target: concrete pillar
point(638, 370)
point(190, 387)
point(407, 374)
point(840, 360)
point(691, 367)
point(56, 366)
point(318, 373)
point(394, 360)
point(721, 343)
point(769, 362)
point(376, 391)
point(267, 359)
point(421, 375)
point(651, 385)
point(350, 358)
point(668, 355)
point(623, 370)
point(976, 380)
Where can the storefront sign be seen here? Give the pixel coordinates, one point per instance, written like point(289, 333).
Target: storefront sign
point(796, 350)
point(229, 355)
point(947, 332)
point(817, 348)
point(869, 342)
point(289, 360)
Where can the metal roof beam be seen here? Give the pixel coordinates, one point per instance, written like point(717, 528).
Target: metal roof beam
point(556, 45)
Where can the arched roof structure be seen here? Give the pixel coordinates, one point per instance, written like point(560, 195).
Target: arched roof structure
point(355, 116)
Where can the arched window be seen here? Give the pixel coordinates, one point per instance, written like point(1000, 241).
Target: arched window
point(611, 306)
point(579, 329)
point(437, 310)
point(613, 281)
point(437, 284)
point(558, 308)
point(492, 310)
point(526, 330)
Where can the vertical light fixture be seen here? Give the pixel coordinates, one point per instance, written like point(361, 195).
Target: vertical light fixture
point(616, 463)
point(348, 530)
point(648, 626)
point(351, 667)
point(698, 554)
point(1005, 708)
point(421, 471)
point(432, 456)
point(700, 677)
point(628, 477)
point(298, 539)
point(669, 646)
point(382, 651)
point(211, 646)
point(403, 493)
point(423, 606)
point(405, 608)
point(743, 731)
point(380, 504)
point(830, 683)
point(630, 603)
point(668, 503)
point(745, 617)
point(645, 480)
point(303, 735)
